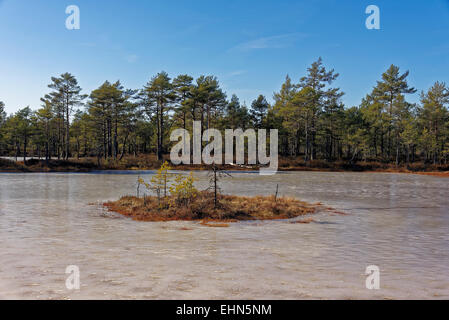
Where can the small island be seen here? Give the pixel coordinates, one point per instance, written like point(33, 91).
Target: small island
point(184, 202)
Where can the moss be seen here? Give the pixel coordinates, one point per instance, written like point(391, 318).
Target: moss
point(230, 209)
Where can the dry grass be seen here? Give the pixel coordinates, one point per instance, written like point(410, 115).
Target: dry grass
point(11, 166)
point(304, 221)
point(298, 164)
point(150, 162)
point(214, 224)
point(444, 174)
point(231, 208)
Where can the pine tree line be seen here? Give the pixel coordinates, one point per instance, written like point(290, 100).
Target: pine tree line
point(313, 122)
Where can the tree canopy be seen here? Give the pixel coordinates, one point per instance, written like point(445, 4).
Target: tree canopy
point(312, 120)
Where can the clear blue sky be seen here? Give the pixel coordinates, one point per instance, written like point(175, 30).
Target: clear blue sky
point(249, 45)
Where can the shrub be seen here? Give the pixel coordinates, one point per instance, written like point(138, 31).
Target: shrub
point(183, 189)
point(159, 182)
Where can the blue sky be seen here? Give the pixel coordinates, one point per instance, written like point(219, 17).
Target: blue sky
point(249, 45)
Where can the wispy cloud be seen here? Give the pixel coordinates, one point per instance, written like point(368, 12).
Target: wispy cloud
point(271, 42)
point(236, 73)
point(131, 58)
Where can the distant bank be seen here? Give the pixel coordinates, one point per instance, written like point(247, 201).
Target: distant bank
point(149, 162)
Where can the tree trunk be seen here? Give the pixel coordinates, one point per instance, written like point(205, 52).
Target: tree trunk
point(24, 150)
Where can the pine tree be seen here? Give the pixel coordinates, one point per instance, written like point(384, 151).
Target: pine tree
point(157, 99)
point(259, 109)
point(434, 119)
point(44, 118)
point(183, 189)
point(182, 86)
point(2, 125)
point(388, 92)
point(24, 128)
point(65, 97)
point(324, 97)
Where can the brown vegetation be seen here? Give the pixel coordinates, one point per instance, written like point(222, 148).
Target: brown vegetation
point(444, 174)
point(298, 164)
point(11, 166)
point(304, 221)
point(230, 209)
point(150, 162)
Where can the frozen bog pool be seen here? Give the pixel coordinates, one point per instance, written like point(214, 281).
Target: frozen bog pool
point(398, 222)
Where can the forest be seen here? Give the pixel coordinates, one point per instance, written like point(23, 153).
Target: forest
point(113, 122)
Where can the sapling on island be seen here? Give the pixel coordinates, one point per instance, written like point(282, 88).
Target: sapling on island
point(184, 202)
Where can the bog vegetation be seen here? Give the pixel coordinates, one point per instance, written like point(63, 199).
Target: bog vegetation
point(112, 123)
point(171, 196)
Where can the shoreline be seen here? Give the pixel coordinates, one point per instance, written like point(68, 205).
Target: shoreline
point(443, 174)
point(88, 166)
